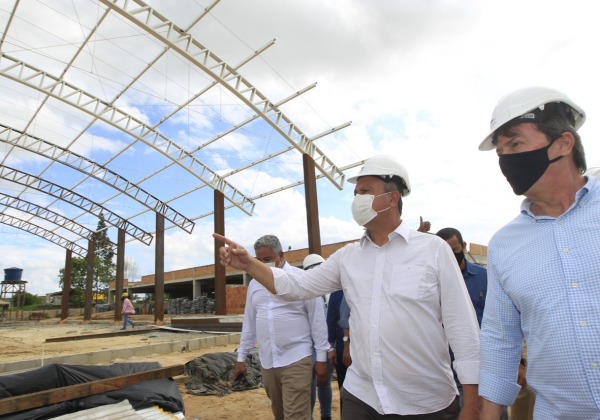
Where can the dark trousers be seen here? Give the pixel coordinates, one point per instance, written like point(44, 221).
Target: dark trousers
point(340, 372)
point(340, 369)
point(355, 409)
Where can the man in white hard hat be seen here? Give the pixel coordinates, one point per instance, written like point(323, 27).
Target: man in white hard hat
point(408, 302)
point(543, 283)
point(287, 333)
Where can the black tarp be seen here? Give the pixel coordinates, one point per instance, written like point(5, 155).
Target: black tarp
point(211, 374)
point(161, 392)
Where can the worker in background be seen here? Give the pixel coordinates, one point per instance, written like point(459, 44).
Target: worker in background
point(286, 333)
point(127, 309)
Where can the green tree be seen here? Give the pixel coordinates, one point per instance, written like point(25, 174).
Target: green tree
point(104, 269)
point(27, 299)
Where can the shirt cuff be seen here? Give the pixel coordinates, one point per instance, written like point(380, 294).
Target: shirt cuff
point(467, 371)
point(498, 390)
point(321, 356)
point(241, 356)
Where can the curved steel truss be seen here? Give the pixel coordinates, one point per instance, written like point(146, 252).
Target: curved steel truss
point(118, 108)
point(42, 233)
point(179, 40)
point(71, 197)
point(103, 111)
point(49, 216)
point(95, 170)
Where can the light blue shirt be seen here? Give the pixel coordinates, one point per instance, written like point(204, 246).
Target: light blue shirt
point(544, 286)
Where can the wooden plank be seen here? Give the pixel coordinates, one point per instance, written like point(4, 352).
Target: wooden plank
point(212, 329)
point(71, 392)
point(130, 331)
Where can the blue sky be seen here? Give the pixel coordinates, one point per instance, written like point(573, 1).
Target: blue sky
point(418, 80)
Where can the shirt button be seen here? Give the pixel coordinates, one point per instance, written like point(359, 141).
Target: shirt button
point(566, 250)
point(582, 323)
point(560, 222)
point(594, 365)
point(574, 284)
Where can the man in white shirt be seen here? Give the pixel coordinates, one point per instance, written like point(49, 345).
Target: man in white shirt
point(286, 333)
point(408, 301)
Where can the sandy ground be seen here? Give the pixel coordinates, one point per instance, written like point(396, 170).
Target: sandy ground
point(27, 341)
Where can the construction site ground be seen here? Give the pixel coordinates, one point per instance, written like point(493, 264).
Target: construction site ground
point(24, 346)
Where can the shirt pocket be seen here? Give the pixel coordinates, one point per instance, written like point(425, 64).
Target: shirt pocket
point(408, 281)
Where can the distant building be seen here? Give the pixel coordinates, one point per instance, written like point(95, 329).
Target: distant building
point(200, 281)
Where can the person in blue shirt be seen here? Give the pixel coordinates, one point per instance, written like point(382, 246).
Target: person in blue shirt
point(335, 336)
point(475, 275)
point(543, 266)
point(475, 279)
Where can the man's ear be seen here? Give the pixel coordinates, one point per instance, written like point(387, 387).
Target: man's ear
point(397, 195)
point(464, 246)
point(563, 145)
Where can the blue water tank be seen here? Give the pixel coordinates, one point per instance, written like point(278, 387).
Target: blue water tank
point(13, 274)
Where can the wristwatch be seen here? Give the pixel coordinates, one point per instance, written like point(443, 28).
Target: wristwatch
point(346, 338)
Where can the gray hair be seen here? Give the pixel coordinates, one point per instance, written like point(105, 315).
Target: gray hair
point(269, 241)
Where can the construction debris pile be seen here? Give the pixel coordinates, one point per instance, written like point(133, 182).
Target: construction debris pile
point(200, 305)
point(211, 374)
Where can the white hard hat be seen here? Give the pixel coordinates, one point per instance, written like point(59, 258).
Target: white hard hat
point(384, 166)
point(521, 102)
point(312, 259)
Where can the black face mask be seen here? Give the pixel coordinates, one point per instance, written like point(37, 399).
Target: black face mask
point(522, 170)
point(460, 256)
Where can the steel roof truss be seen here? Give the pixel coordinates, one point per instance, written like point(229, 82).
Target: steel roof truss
point(36, 145)
point(75, 199)
point(102, 110)
point(42, 233)
point(170, 34)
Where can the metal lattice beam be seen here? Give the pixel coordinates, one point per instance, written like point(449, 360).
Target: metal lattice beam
point(44, 148)
point(65, 92)
point(75, 199)
point(48, 215)
point(42, 233)
point(179, 40)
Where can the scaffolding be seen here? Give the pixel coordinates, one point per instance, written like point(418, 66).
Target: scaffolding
point(9, 289)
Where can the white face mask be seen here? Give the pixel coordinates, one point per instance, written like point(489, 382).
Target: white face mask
point(270, 264)
point(362, 208)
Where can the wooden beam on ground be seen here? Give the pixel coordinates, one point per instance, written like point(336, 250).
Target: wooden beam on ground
point(71, 392)
point(132, 331)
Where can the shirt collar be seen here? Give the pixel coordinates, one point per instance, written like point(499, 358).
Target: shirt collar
point(402, 230)
point(468, 268)
point(581, 197)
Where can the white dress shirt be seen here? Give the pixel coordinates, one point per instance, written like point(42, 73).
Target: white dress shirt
point(408, 301)
point(286, 332)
